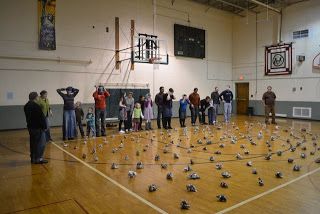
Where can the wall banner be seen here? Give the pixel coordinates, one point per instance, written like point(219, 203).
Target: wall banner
point(46, 19)
point(278, 59)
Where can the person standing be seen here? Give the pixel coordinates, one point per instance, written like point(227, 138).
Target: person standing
point(141, 101)
point(184, 101)
point(100, 96)
point(36, 123)
point(79, 117)
point(204, 104)
point(210, 112)
point(129, 109)
point(148, 111)
point(194, 98)
point(90, 119)
point(69, 116)
point(45, 107)
point(215, 102)
point(227, 96)
point(167, 108)
point(269, 98)
point(136, 115)
point(159, 102)
point(122, 113)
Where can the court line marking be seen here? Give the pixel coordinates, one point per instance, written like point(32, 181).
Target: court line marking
point(112, 181)
point(267, 192)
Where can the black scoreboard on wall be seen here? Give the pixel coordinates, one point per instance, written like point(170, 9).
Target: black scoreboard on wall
point(189, 41)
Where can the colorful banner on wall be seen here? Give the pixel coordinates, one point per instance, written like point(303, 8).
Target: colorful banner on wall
point(46, 18)
point(278, 59)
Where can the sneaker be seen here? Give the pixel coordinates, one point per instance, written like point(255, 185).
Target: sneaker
point(122, 132)
point(43, 161)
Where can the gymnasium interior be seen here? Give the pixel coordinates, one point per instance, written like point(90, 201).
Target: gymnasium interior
point(244, 165)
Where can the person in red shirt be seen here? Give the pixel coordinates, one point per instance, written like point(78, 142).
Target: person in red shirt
point(194, 98)
point(100, 96)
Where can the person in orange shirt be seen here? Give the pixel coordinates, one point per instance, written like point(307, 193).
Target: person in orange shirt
point(194, 99)
point(100, 96)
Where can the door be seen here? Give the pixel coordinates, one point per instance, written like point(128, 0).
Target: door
point(242, 93)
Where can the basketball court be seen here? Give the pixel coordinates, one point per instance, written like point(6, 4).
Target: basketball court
point(72, 183)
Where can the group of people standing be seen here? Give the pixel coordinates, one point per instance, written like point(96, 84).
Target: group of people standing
point(131, 113)
point(197, 107)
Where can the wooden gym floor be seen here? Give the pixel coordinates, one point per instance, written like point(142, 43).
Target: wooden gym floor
point(70, 183)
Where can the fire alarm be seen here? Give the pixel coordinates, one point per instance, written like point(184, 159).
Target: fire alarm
point(301, 58)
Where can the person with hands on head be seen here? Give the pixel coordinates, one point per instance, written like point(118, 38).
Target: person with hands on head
point(69, 117)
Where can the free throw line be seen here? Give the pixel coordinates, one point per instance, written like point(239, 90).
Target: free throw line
point(112, 181)
point(267, 192)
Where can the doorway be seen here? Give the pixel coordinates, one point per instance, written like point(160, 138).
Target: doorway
point(242, 92)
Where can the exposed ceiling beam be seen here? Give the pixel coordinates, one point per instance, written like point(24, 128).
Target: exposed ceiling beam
point(265, 5)
point(234, 5)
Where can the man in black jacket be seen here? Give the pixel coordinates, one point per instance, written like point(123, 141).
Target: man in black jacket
point(216, 102)
point(204, 104)
point(36, 123)
point(159, 101)
point(227, 96)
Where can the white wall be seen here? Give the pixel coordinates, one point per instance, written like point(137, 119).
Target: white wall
point(76, 39)
point(301, 16)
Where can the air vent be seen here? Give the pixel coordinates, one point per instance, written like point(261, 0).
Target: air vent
point(300, 34)
point(302, 112)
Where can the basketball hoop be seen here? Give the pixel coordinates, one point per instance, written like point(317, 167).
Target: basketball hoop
point(149, 49)
point(316, 62)
point(155, 60)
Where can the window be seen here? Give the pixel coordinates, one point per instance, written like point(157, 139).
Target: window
point(300, 34)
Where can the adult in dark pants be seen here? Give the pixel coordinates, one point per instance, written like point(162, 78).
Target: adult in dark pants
point(269, 98)
point(129, 108)
point(141, 101)
point(159, 102)
point(100, 96)
point(36, 123)
point(69, 128)
point(79, 117)
point(204, 104)
point(216, 102)
point(183, 110)
point(194, 99)
point(227, 96)
point(167, 108)
point(45, 106)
